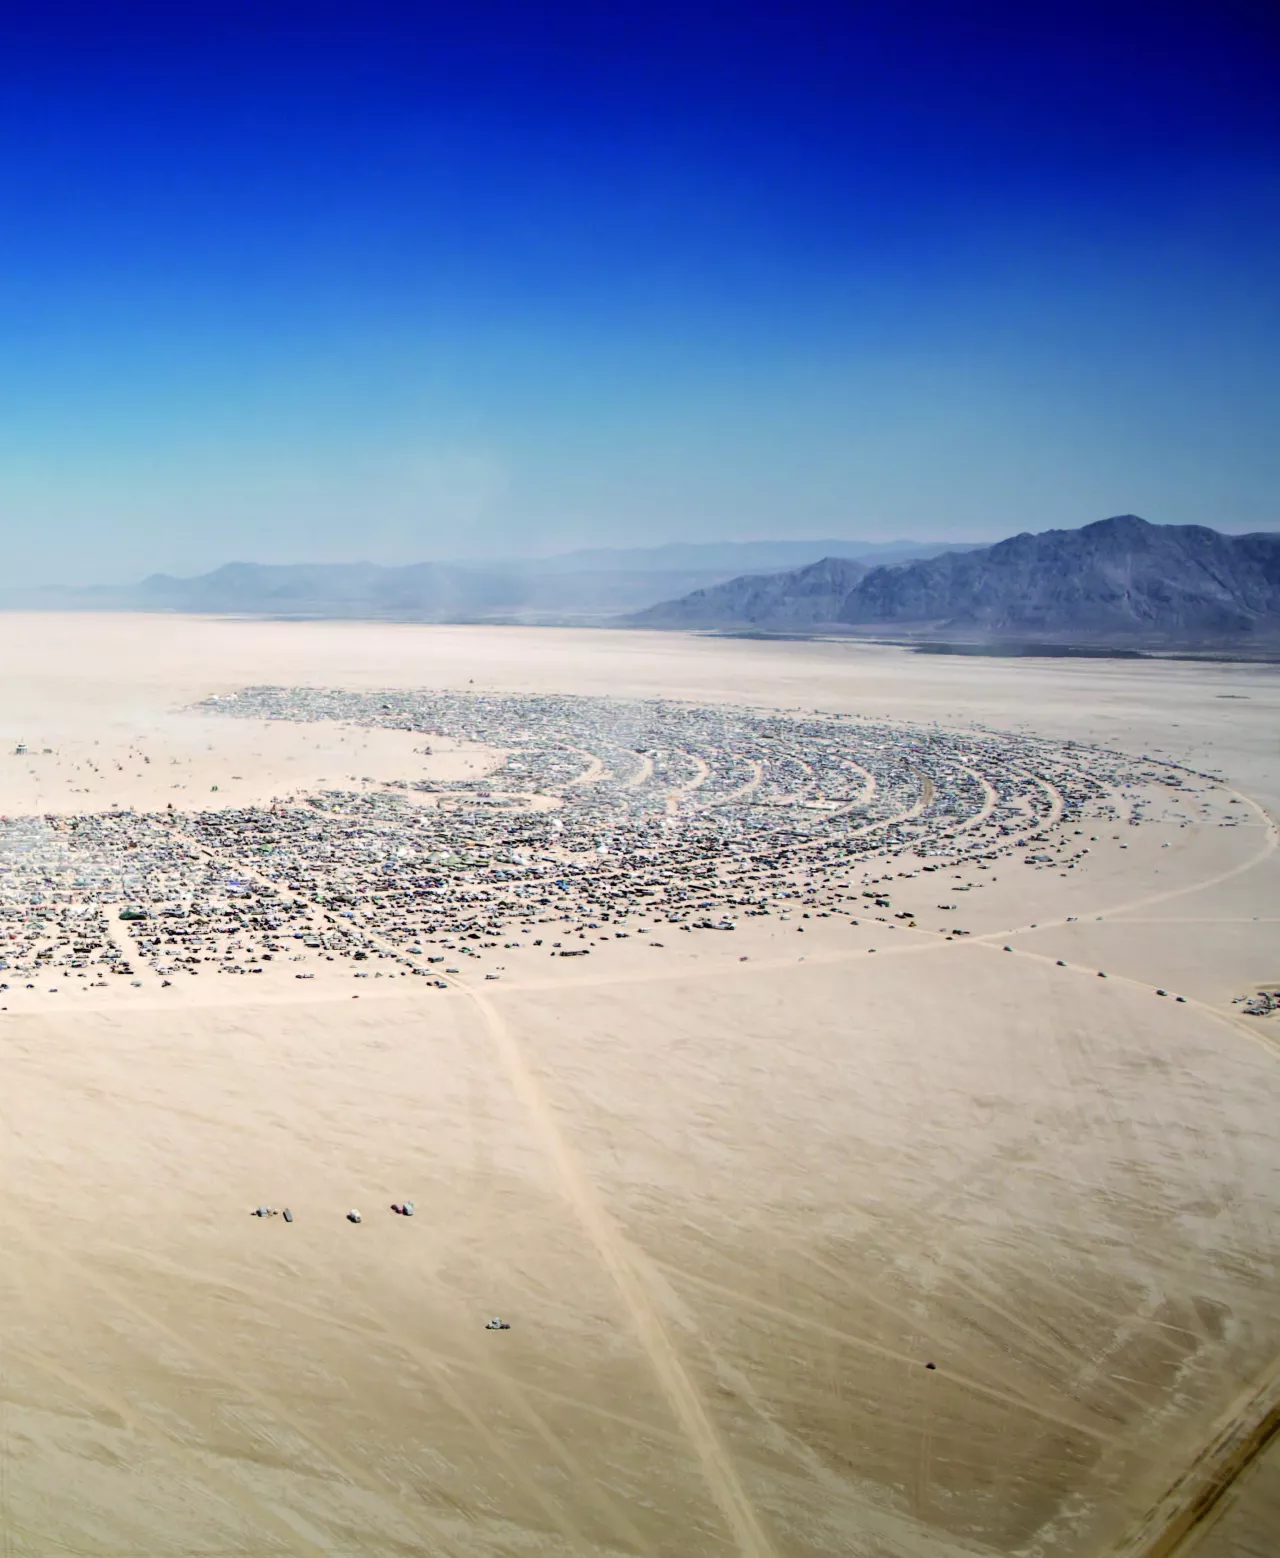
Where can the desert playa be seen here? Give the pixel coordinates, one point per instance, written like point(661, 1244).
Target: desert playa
point(851, 1075)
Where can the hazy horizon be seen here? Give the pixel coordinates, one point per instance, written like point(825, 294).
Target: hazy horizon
point(495, 560)
point(602, 557)
point(307, 286)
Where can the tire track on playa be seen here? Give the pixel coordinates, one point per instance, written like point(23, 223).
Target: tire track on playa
point(1268, 848)
point(585, 1486)
point(1251, 1426)
point(1269, 1039)
point(1032, 1334)
point(6, 1450)
point(555, 1513)
point(515, 1388)
point(733, 970)
point(367, 1325)
point(619, 1260)
point(93, 1276)
point(227, 1488)
point(890, 1354)
point(1269, 844)
point(514, 1391)
point(1253, 1422)
point(1173, 1525)
point(924, 1455)
point(1089, 1374)
point(1207, 919)
point(615, 1246)
point(892, 1526)
point(905, 1533)
point(897, 1531)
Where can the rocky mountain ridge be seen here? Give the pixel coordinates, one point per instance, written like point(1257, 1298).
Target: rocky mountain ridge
point(1120, 578)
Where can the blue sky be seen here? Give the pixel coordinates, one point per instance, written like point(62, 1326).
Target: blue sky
point(328, 282)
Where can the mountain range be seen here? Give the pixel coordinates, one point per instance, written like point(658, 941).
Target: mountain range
point(1121, 579)
point(582, 586)
point(737, 557)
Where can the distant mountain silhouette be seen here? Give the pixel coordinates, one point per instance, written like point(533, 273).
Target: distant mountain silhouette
point(803, 597)
point(731, 558)
point(1120, 578)
point(574, 587)
point(424, 592)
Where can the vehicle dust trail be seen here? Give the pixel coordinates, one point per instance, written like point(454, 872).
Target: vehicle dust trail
point(1173, 1525)
point(617, 1258)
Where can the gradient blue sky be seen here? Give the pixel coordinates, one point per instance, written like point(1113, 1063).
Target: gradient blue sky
point(329, 282)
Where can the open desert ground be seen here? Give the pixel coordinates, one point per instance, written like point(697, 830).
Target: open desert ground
point(882, 1226)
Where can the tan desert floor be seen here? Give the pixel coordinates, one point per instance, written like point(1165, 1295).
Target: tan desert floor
point(731, 1209)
